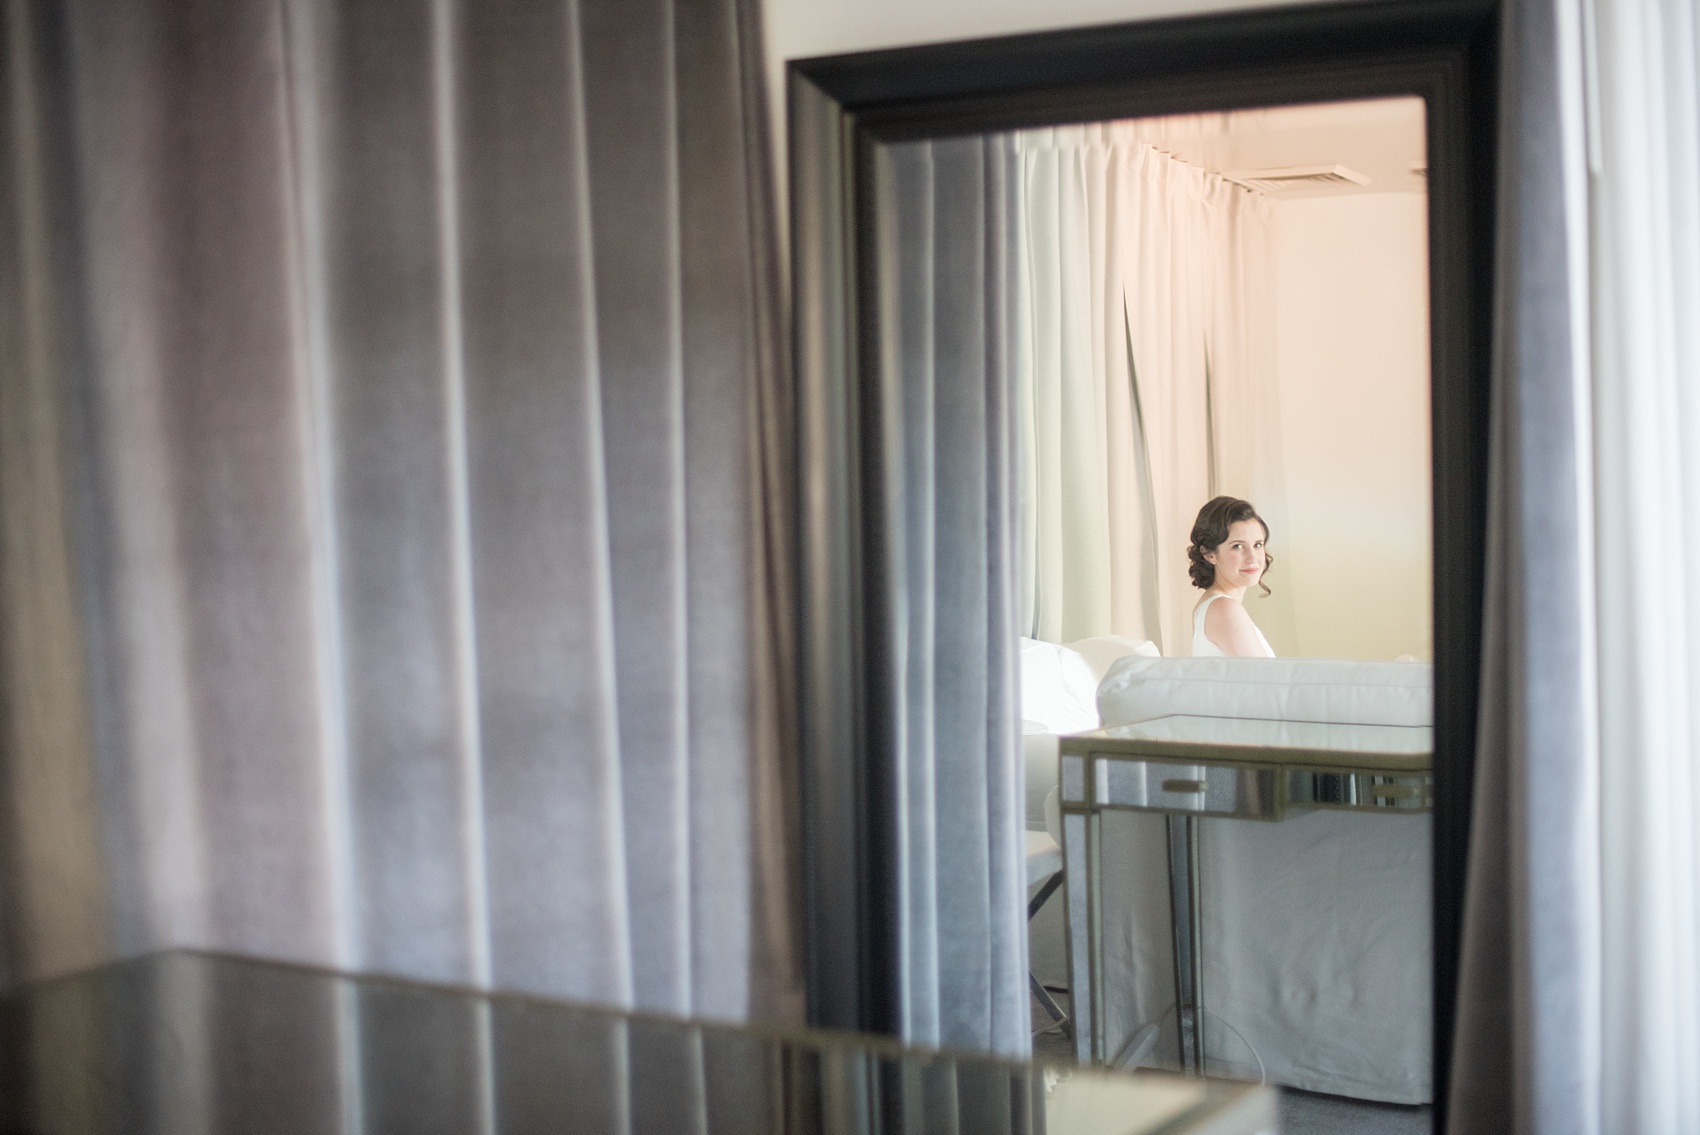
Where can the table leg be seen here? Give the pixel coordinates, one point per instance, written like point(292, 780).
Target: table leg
point(1189, 941)
point(1049, 1004)
point(1080, 883)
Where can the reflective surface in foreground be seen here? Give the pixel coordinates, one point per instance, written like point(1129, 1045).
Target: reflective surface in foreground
point(182, 1042)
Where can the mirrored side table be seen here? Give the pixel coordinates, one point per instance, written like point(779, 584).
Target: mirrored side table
point(1195, 768)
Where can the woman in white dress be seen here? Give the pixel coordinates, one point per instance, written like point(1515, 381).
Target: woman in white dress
point(1228, 555)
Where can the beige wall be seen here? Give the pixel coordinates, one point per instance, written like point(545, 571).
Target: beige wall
point(1352, 363)
point(800, 28)
point(797, 29)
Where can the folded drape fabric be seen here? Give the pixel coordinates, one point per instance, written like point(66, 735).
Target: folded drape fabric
point(1147, 382)
point(395, 535)
point(1643, 75)
point(1524, 1056)
point(1578, 1003)
point(947, 585)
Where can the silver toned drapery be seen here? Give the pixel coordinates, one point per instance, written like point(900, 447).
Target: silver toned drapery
point(1522, 1053)
point(947, 585)
point(393, 494)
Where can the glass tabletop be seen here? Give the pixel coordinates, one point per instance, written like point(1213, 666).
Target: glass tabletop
point(187, 1042)
point(1288, 739)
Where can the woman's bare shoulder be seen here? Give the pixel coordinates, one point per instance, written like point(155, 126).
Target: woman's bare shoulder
point(1228, 624)
point(1226, 612)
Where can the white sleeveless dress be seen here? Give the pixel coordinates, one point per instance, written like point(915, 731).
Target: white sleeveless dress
point(1202, 647)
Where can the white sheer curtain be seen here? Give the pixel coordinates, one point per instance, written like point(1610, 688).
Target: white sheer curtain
point(1646, 320)
point(1146, 383)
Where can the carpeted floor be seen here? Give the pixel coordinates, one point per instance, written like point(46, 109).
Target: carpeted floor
point(1050, 1047)
point(1308, 1113)
point(1302, 1113)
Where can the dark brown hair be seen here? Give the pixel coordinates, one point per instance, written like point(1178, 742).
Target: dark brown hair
point(1211, 529)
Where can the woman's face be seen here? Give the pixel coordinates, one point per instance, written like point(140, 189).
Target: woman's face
point(1239, 559)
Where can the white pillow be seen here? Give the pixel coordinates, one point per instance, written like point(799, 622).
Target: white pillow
point(1058, 688)
point(1059, 694)
point(1276, 689)
point(1102, 650)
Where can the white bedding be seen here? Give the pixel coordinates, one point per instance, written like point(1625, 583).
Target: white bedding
point(1059, 694)
point(1316, 928)
point(1137, 688)
point(1316, 935)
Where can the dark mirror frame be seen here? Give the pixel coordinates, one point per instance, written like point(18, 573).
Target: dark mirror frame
point(841, 109)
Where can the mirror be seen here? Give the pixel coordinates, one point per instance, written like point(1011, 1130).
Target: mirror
point(917, 581)
point(1227, 307)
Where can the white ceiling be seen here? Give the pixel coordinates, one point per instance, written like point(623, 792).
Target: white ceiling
point(1379, 138)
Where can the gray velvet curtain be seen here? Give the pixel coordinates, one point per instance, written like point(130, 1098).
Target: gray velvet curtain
point(948, 588)
point(393, 478)
point(1525, 1055)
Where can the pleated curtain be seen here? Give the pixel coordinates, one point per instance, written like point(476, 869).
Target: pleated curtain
point(1644, 73)
point(1146, 384)
point(1524, 1056)
point(1085, 532)
point(946, 587)
point(1579, 1001)
point(393, 495)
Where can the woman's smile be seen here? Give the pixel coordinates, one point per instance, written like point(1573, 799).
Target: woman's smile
point(1240, 558)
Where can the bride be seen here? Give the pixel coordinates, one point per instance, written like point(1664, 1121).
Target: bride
point(1228, 556)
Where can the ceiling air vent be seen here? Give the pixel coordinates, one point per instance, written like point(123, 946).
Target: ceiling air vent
point(1296, 177)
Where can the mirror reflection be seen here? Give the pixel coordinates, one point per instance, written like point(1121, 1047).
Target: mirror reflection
point(232, 1037)
point(1216, 330)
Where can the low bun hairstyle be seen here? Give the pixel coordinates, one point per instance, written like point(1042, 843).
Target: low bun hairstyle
point(1211, 529)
